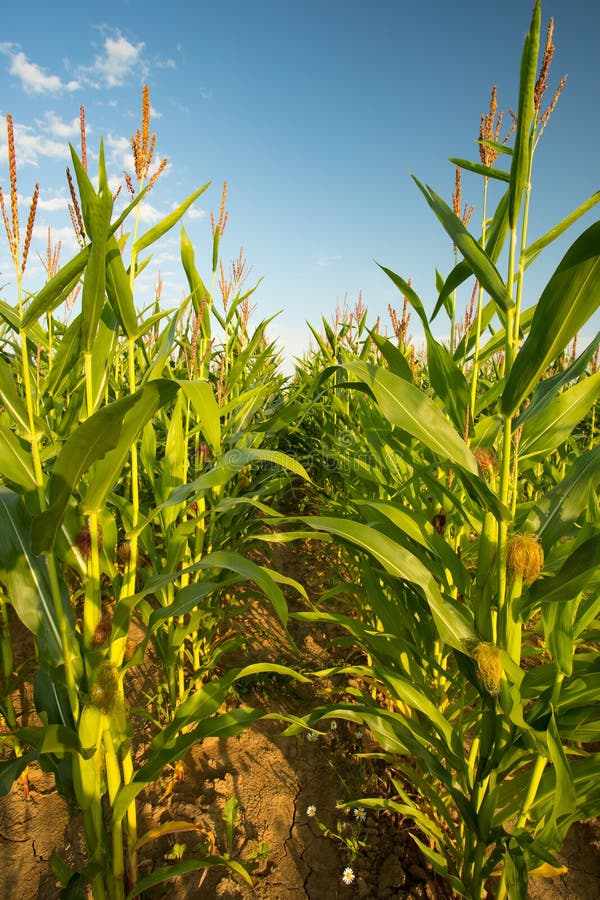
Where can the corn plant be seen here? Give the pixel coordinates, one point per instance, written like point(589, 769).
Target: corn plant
point(476, 541)
point(121, 452)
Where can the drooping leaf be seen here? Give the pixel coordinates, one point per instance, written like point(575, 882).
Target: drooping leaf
point(26, 578)
point(545, 431)
point(396, 360)
point(567, 302)
point(89, 442)
point(406, 406)
point(453, 623)
point(15, 461)
point(493, 246)
point(201, 396)
point(183, 867)
point(549, 387)
point(481, 264)
point(148, 399)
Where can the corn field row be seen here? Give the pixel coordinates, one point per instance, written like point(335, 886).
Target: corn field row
point(147, 454)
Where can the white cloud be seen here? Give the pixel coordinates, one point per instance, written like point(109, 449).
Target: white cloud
point(120, 151)
point(149, 214)
point(120, 62)
point(194, 213)
point(34, 79)
point(52, 204)
point(61, 129)
point(30, 145)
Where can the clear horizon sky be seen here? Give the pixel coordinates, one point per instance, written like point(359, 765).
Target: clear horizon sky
point(315, 113)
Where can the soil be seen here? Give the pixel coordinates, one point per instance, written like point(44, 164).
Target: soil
point(276, 781)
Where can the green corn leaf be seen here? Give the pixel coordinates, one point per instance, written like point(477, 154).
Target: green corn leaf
point(396, 360)
point(37, 336)
point(200, 296)
point(183, 867)
point(89, 442)
point(168, 222)
point(479, 169)
point(545, 431)
point(419, 529)
point(453, 623)
point(481, 264)
point(163, 753)
point(549, 387)
point(96, 210)
point(226, 469)
point(493, 246)
point(467, 342)
point(186, 599)
point(51, 739)
point(118, 289)
point(515, 871)
point(230, 813)
point(152, 321)
point(102, 358)
point(56, 290)
point(569, 299)
point(573, 576)
point(234, 562)
point(585, 615)
point(11, 769)
point(60, 285)
point(12, 402)
point(15, 461)
point(406, 406)
point(173, 461)
point(164, 346)
point(148, 399)
point(243, 456)
point(448, 382)
point(558, 630)
point(498, 146)
point(148, 447)
point(438, 862)
point(521, 160)
point(534, 249)
point(581, 725)
point(67, 364)
point(411, 295)
point(403, 689)
point(565, 796)
point(26, 578)
point(498, 339)
point(201, 396)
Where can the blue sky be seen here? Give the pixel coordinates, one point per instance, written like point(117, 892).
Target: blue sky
point(314, 112)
